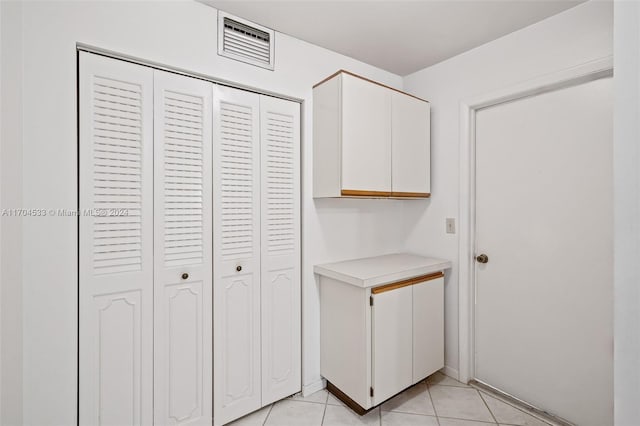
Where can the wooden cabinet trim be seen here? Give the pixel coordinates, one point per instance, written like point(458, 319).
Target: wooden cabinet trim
point(358, 193)
point(410, 194)
point(408, 282)
point(370, 81)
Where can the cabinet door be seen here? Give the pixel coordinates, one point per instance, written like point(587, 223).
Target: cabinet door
point(280, 248)
point(366, 136)
point(391, 342)
point(183, 260)
point(115, 242)
point(410, 167)
point(236, 246)
point(428, 328)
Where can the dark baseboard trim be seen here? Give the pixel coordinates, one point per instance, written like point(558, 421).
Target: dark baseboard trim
point(347, 401)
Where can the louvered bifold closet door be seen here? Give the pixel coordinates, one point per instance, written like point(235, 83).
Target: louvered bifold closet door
point(280, 259)
point(236, 224)
point(115, 243)
point(183, 250)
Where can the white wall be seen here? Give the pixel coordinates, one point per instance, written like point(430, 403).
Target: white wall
point(10, 197)
point(181, 34)
point(627, 212)
point(576, 36)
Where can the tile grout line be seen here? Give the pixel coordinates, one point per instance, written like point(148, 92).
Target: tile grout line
point(477, 421)
point(432, 404)
point(461, 385)
point(268, 414)
point(497, 398)
point(487, 405)
point(324, 412)
point(302, 399)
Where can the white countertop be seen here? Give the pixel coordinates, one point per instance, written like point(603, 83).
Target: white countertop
point(373, 271)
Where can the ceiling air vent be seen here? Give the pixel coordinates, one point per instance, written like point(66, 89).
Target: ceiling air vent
point(245, 41)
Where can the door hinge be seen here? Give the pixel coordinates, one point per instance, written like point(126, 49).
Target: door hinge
point(371, 391)
point(370, 300)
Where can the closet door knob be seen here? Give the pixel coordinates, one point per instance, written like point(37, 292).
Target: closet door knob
point(238, 268)
point(185, 276)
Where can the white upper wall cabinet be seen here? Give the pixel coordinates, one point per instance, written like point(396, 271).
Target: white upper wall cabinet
point(369, 140)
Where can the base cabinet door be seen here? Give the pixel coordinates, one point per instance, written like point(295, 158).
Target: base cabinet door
point(392, 341)
point(428, 328)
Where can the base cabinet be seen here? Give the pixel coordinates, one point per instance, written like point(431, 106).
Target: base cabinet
point(377, 341)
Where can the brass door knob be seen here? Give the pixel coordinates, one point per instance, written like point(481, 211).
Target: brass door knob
point(483, 258)
point(185, 276)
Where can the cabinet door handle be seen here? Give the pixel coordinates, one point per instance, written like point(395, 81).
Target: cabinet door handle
point(238, 268)
point(185, 276)
point(483, 258)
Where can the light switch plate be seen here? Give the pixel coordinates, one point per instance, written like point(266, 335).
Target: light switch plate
point(451, 225)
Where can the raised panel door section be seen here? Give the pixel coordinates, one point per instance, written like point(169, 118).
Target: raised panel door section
point(428, 328)
point(280, 249)
point(115, 242)
point(366, 136)
point(391, 343)
point(236, 220)
point(410, 146)
point(183, 250)
point(118, 317)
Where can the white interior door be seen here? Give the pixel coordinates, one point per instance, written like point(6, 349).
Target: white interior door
point(280, 248)
point(116, 243)
point(183, 259)
point(543, 313)
point(236, 224)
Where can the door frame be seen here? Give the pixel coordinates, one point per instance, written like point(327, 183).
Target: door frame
point(589, 71)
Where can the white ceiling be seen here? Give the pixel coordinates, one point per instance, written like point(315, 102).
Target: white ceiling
point(398, 36)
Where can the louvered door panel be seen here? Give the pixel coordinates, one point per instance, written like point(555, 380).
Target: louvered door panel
point(115, 242)
point(280, 249)
point(183, 252)
point(117, 160)
point(237, 152)
point(236, 217)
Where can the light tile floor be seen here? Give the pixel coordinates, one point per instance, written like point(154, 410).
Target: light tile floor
point(438, 401)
